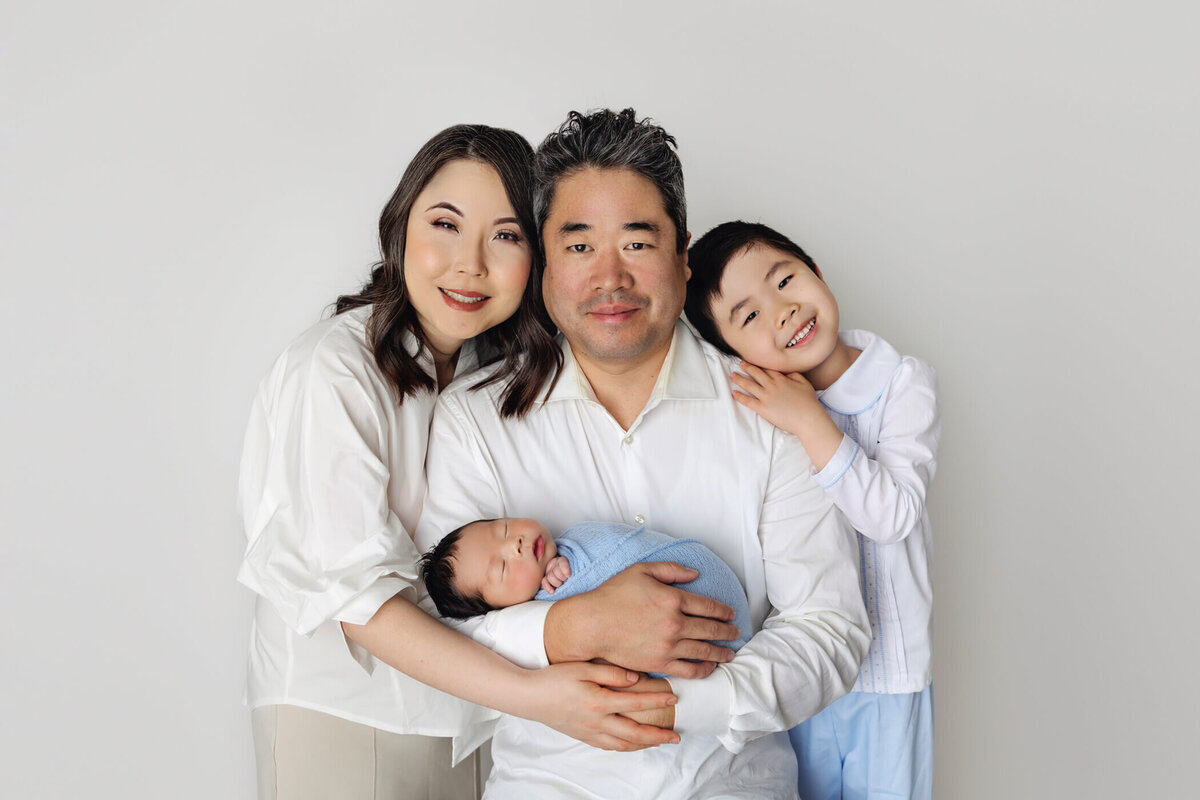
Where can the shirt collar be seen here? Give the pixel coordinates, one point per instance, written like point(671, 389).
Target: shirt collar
point(684, 374)
point(863, 383)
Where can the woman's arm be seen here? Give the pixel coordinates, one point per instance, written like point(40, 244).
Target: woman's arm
point(571, 698)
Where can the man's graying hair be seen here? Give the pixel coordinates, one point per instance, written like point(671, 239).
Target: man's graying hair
point(610, 140)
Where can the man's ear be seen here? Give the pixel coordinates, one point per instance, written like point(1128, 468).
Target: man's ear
point(687, 271)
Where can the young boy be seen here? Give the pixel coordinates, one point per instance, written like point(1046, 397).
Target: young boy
point(868, 418)
point(490, 564)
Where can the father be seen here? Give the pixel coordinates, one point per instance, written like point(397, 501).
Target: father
point(640, 427)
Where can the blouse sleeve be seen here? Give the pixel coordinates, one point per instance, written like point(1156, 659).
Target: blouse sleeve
point(323, 542)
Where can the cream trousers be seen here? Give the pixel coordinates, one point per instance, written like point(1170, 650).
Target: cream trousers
point(307, 755)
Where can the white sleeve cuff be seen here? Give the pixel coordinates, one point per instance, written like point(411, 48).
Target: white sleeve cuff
point(703, 705)
point(518, 633)
point(360, 610)
point(839, 464)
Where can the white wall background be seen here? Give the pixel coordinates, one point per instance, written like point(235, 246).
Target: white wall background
point(1008, 189)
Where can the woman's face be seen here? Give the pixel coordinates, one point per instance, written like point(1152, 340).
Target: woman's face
point(466, 260)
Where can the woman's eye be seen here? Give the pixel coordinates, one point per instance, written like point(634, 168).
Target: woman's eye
point(445, 223)
point(784, 282)
point(509, 236)
point(750, 318)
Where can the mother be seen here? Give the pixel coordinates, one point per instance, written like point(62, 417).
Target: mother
point(332, 484)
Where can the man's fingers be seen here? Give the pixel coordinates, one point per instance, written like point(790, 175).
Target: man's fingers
point(702, 651)
point(690, 670)
point(670, 572)
point(697, 605)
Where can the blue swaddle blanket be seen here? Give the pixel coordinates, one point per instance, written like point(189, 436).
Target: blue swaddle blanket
point(597, 551)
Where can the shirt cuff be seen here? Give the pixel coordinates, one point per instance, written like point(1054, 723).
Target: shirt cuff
point(519, 634)
point(703, 705)
point(839, 464)
point(360, 610)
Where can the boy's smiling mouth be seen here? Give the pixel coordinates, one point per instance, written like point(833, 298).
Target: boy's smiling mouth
point(802, 334)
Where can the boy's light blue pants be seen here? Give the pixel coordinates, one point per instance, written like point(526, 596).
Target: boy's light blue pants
point(868, 746)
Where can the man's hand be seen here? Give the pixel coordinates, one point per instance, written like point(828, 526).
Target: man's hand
point(572, 699)
point(558, 569)
point(636, 619)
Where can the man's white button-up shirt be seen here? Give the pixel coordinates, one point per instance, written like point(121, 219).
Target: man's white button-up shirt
point(693, 464)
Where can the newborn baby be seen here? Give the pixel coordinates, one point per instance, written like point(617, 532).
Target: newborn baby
point(491, 564)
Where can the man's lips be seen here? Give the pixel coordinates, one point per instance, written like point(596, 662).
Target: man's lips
point(612, 313)
point(464, 300)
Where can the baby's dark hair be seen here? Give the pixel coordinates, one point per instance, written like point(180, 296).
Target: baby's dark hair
point(437, 571)
point(708, 258)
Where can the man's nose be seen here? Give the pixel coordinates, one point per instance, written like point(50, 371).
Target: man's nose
point(609, 272)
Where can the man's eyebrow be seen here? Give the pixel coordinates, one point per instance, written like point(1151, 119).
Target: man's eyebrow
point(448, 206)
point(641, 225)
point(574, 227)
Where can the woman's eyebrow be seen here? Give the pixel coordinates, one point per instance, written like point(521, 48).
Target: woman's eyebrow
point(507, 221)
point(448, 206)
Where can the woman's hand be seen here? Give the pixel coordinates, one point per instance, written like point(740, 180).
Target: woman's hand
point(659, 717)
point(573, 699)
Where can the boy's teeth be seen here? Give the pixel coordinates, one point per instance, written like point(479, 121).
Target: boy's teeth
point(800, 334)
point(463, 298)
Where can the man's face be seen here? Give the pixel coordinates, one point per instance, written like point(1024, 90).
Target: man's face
point(613, 283)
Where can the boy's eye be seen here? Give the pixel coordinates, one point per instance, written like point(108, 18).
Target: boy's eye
point(750, 318)
point(784, 282)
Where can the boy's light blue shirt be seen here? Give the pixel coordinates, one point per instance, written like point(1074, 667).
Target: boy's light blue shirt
point(597, 551)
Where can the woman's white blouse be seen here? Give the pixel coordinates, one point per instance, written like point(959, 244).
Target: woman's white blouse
point(332, 482)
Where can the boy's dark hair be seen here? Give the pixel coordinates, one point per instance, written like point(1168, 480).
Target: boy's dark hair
point(609, 139)
point(708, 258)
point(437, 571)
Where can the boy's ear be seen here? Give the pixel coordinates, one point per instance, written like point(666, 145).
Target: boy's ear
point(817, 270)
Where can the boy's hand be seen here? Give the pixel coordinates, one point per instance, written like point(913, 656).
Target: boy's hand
point(789, 402)
point(557, 571)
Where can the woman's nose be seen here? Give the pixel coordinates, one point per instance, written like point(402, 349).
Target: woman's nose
point(472, 260)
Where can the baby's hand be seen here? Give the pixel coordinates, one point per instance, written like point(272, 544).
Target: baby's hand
point(557, 571)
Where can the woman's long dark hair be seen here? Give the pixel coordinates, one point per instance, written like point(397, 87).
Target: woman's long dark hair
point(525, 340)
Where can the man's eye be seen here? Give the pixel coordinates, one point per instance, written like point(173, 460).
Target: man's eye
point(578, 248)
point(784, 282)
point(750, 318)
point(638, 245)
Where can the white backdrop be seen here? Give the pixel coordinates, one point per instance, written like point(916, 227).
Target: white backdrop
point(1006, 189)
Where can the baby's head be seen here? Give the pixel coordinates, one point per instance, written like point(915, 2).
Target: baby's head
point(755, 294)
point(487, 564)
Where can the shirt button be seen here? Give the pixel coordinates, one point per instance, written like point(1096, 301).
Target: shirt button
point(639, 519)
point(628, 440)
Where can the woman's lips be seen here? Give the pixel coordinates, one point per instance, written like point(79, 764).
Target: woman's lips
point(463, 300)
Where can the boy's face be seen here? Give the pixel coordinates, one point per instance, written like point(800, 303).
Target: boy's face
point(503, 560)
point(776, 312)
